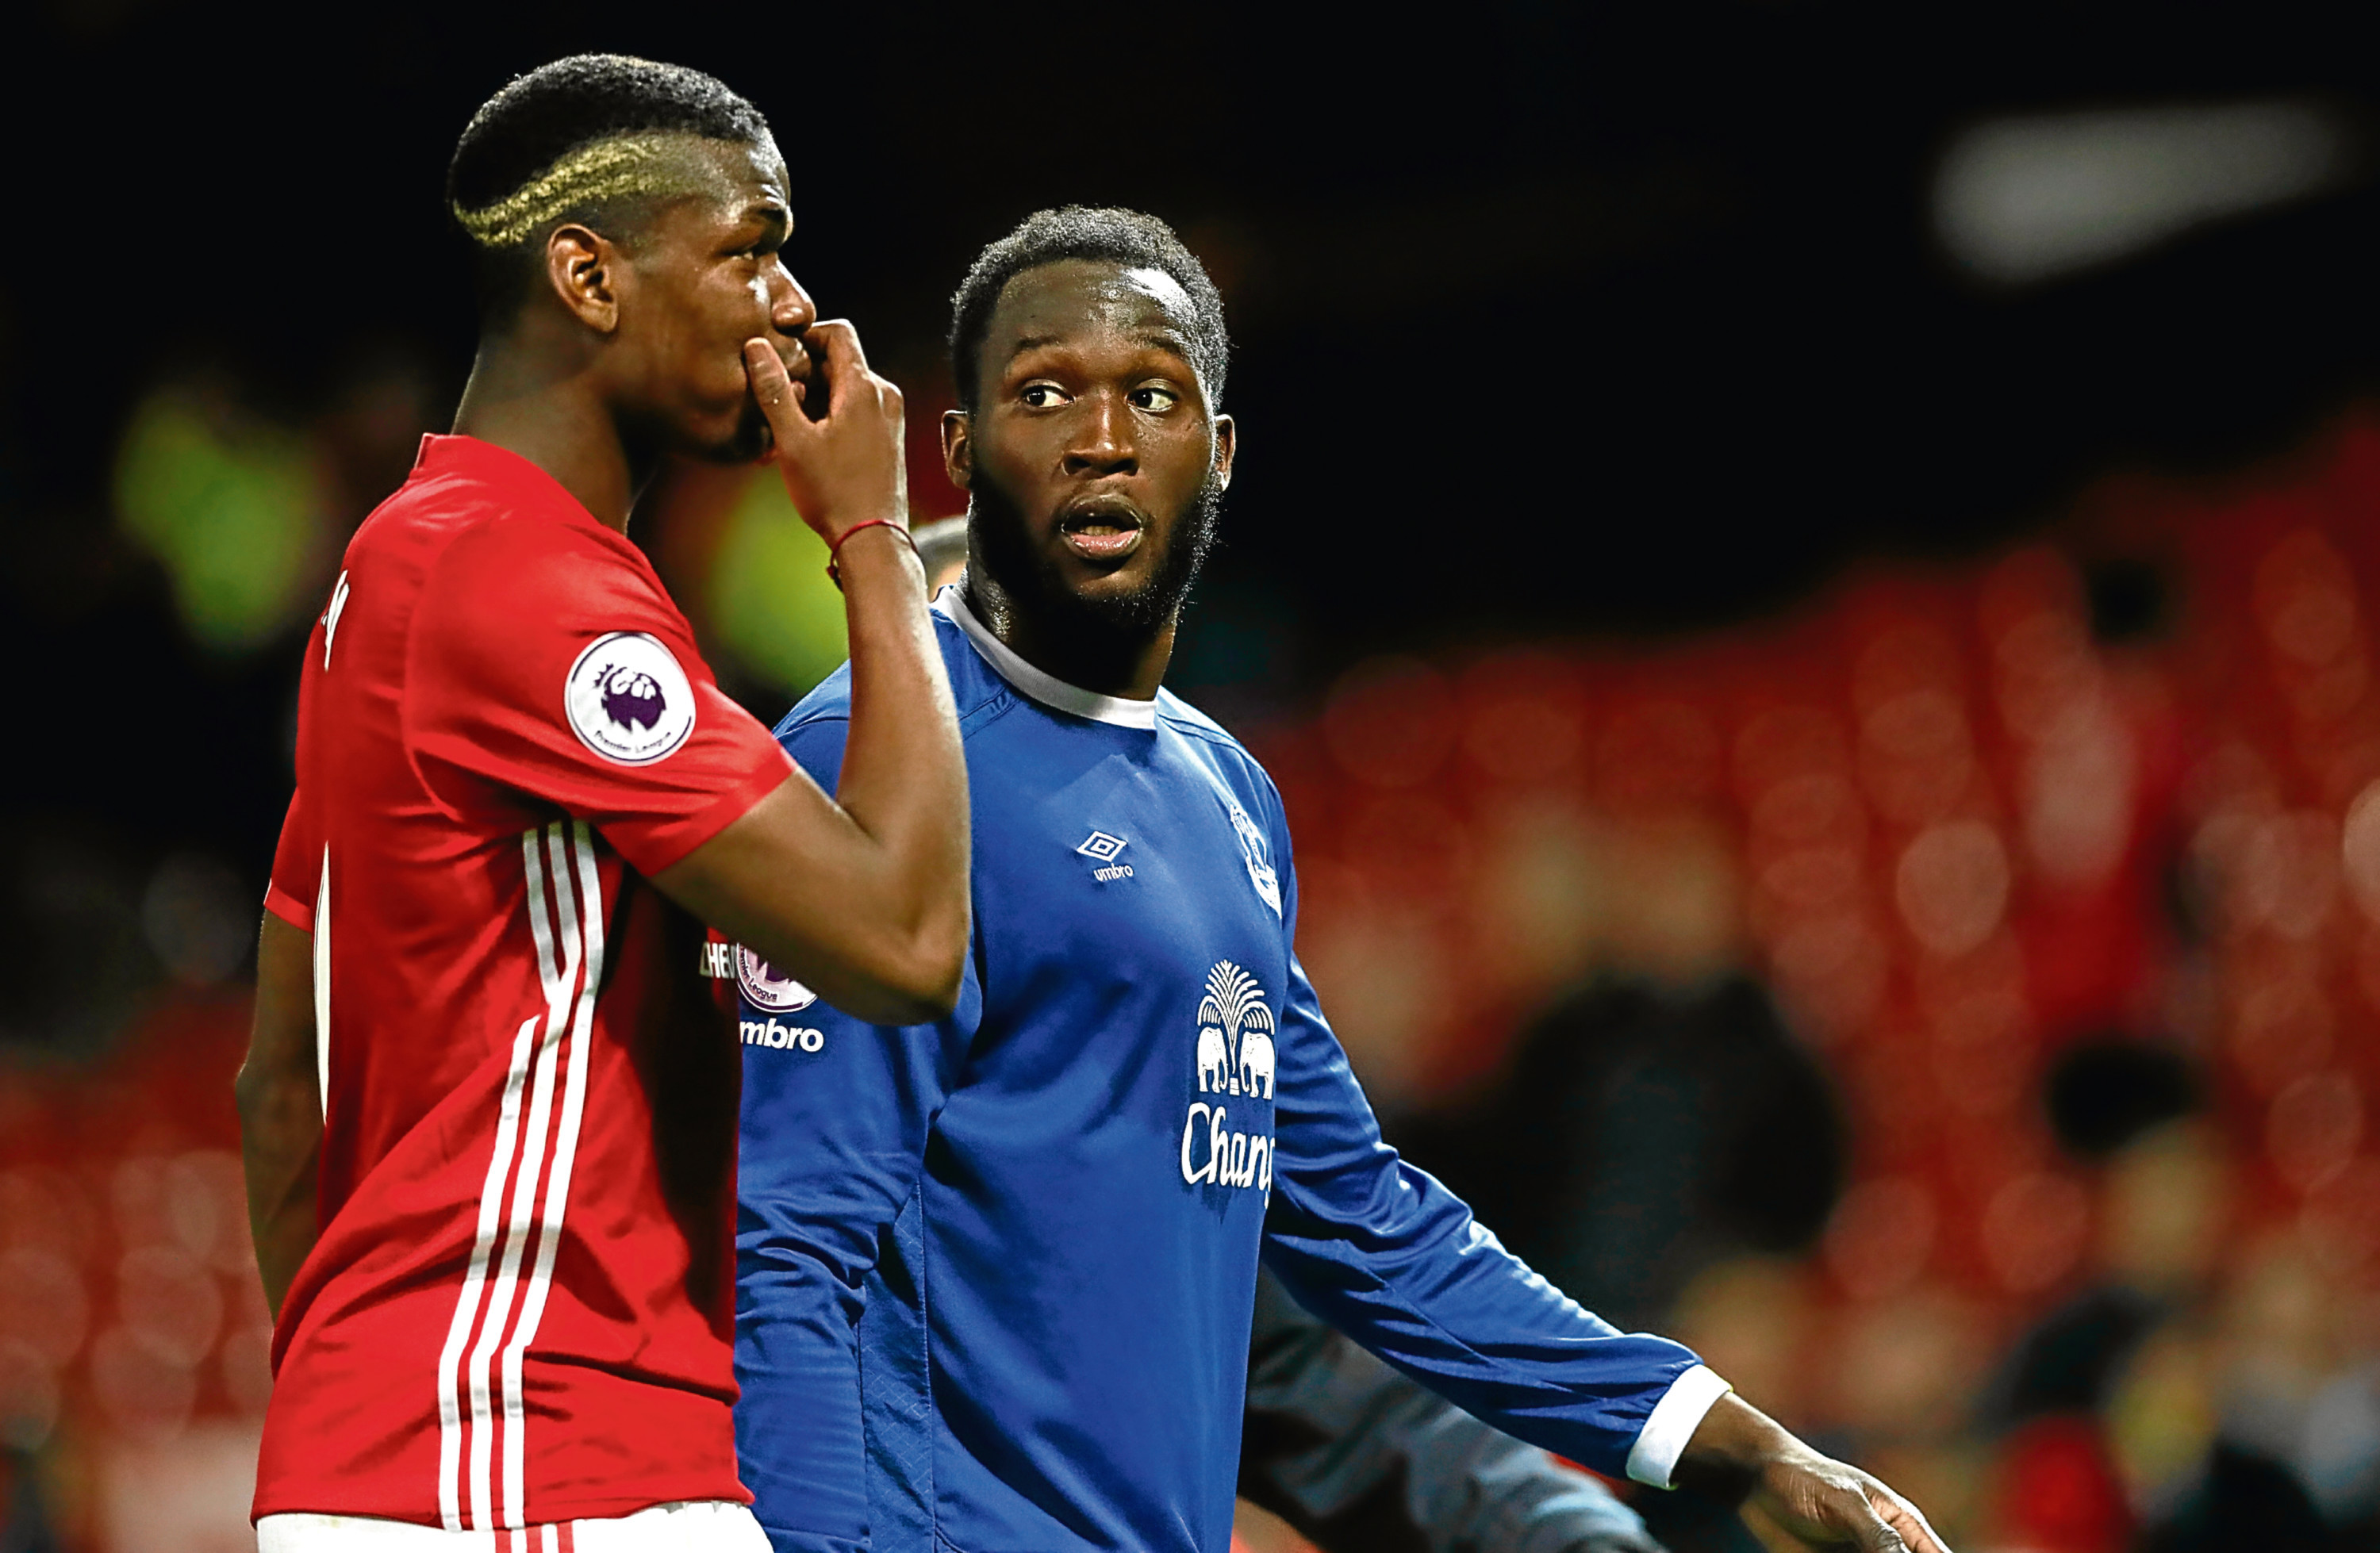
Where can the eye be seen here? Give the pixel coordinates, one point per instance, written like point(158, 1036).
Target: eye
point(1155, 399)
point(1042, 396)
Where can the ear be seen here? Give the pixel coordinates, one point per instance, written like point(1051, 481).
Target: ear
point(958, 449)
point(1227, 441)
point(585, 270)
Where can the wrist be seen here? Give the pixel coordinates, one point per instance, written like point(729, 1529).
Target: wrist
point(1732, 1449)
point(857, 539)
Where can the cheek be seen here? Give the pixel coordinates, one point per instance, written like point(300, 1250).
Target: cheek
point(1177, 465)
point(1018, 460)
point(726, 310)
point(708, 343)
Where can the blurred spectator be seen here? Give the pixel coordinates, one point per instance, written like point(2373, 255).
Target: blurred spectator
point(24, 1525)
point(233, 509)
point(2175, 1391)
point(769, 601)
point(943, 546)
point(1642, 1135)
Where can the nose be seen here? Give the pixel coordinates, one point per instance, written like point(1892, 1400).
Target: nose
point(1103, 442)
point(790, 308)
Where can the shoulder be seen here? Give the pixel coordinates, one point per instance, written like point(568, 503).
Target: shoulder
point(980, 694)
point(513, 588)
point(1213, 742)
point(520, 552)
point(812, 733)
point(1187, 719)
point(819, 719)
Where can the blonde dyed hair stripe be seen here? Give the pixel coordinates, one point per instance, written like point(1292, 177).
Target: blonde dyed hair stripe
point(623, 167)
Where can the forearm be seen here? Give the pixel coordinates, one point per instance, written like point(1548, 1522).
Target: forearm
point(799, 1428)
point(903, 778)
point(1427, 1291)
point(1346, 1449)
point(281, 1151)
point(1734, 1445)
point(280, 1106)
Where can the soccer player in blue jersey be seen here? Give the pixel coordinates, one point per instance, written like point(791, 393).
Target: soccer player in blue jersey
point(995, 1274)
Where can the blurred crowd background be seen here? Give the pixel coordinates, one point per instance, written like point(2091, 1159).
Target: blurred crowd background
point(1802, 571)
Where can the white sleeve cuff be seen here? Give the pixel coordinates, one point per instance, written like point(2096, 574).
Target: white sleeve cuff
point(1673, 1422)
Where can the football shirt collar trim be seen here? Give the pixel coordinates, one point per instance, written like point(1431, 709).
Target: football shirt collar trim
point(1050, 691)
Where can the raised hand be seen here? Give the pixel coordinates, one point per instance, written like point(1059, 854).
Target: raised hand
point(846, 467)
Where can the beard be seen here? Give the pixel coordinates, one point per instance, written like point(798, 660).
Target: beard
point(1107, 627)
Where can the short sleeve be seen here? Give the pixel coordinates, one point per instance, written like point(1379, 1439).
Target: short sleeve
point(297, 867)
point(549, 662)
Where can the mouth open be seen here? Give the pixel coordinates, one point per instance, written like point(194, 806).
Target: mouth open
point(1103, 528)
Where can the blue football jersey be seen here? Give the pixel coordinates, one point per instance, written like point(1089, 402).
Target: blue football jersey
point(995, 1274)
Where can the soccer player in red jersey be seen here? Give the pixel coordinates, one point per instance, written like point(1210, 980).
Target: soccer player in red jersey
point(488, 1116)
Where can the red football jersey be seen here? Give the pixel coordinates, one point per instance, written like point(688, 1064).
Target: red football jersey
point(521, 1307)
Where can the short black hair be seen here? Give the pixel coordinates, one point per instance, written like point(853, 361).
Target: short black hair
point(1099, 233)
point(544, 116)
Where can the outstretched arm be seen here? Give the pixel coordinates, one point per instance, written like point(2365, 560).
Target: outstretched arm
point(1358, 1457)
point(1396, 1261)
point(863, 896)
point(280, 1107)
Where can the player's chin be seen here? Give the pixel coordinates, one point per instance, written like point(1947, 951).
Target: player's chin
point(1120, 590)
point(1087, 579)
point(744, 440)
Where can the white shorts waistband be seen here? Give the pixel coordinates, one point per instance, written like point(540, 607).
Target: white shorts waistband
point(688, 1526)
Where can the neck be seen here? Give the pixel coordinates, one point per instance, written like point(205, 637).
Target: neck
point(531, 400)
point(1122, 662)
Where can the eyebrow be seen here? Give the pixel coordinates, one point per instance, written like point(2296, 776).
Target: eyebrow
point(776, 217)
point(1164, 340)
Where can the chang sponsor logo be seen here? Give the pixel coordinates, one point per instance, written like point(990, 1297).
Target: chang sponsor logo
point(1235, 1058)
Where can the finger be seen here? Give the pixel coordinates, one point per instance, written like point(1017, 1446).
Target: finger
point(836, 344)
point(1840, 1515)
point(1910, 1522)
point(1874, 1534)
point(779, 396)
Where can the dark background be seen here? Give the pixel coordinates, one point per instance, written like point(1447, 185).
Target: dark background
point(1555, 325)
point(1651, 281)
point(1549, 319)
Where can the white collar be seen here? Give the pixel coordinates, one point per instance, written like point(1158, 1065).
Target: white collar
point(1048, 689)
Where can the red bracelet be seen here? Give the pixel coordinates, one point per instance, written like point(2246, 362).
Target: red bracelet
point(834, 573)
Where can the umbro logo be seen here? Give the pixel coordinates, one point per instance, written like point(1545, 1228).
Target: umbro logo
point(1102, 848)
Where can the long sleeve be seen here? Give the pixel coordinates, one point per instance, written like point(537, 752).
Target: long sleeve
point(1361, 1460)
point(834, 1119)
point(1390, 1256)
